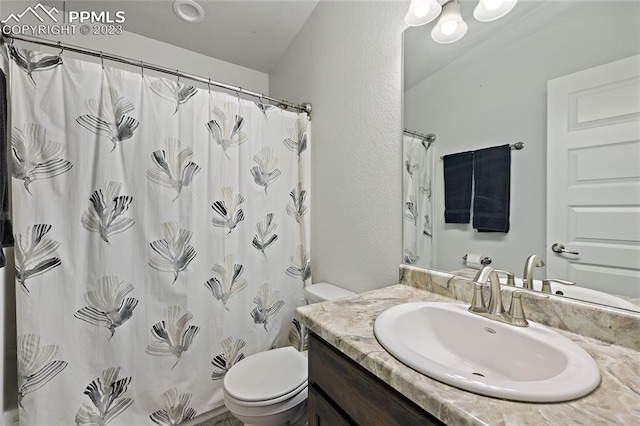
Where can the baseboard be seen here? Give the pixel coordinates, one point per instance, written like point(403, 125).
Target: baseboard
point(205, 416)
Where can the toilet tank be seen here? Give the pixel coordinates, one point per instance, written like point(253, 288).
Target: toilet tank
point(322, 292)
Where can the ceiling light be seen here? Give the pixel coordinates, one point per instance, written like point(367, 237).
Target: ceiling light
point(189, 11)
point(422, 12)
point(450, 27)
point(490, 10)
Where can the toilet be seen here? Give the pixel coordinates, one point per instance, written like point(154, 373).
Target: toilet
point(270, 388)
point(323, 292)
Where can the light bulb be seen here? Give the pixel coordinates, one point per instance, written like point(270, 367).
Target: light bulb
point(421, 11)
point(492, 4)
point(490, 10)
point(449, 27)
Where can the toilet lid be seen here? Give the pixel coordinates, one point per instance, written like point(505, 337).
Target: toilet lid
point(267, 375)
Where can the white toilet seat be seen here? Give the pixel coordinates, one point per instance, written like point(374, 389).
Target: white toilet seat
point(268, 388)
point(267, 376)
point(271, 388)
point(267, 402)
point(241, 407)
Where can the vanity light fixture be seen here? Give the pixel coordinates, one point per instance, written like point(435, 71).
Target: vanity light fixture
point(189, 11)
point(422, 12)
point(451, 27)
point(490, 10)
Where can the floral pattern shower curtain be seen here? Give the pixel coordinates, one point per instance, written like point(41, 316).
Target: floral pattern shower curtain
point(161, 237)
point(418, 208)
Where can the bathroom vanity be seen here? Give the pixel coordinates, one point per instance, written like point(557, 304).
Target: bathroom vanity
point(354, 380)
point(342, 393)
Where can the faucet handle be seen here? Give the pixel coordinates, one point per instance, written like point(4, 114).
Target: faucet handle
point(510, 277)
point(516, 312)
point(546, 284)
point(477, 303)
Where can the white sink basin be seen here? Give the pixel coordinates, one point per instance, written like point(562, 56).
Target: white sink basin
point(447, 343)
point(583, 293)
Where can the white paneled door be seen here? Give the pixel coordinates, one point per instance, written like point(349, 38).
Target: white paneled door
point(593, 177)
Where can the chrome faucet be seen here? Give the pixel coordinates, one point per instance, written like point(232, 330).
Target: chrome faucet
point(546, 284)
point(511, 281)
point(495, 309)
point(533, 261)
point(495, 301)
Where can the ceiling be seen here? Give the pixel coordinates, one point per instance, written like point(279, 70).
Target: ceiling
point(250, 33)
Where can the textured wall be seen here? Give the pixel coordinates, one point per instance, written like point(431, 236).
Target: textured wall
point(346, 60)
point(146, 49)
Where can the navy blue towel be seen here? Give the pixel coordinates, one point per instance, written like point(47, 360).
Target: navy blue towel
point(6, 230)
point(491, 195)
point(458, 174)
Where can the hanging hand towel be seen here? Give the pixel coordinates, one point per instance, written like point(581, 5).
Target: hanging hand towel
point(6, 230)
point(492, 178)
point(458, 171)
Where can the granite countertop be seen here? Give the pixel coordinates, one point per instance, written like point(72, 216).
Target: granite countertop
point(347, 324)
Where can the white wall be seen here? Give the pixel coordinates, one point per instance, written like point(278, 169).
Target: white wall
point(498, 94)
point(149, 50)
point(346, 60)
point(132, 46)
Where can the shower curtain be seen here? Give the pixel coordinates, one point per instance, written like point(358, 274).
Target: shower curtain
point(161, 237)
point(418, 209)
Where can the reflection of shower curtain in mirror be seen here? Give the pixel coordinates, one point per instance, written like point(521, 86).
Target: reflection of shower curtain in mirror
point(161, 237)
point(418, 158)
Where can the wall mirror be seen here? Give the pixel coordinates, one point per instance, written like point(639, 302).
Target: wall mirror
point(491, 88)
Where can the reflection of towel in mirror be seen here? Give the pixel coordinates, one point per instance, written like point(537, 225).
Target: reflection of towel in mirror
point(6, 230)
point(492, 179)
point(458, 173)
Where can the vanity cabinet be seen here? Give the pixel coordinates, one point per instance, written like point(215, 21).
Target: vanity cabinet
point(341, 392)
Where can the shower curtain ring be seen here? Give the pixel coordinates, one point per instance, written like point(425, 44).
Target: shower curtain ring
point(238, 92)
point(141, 69)
point(178, 75)
point(102, 59)
point(61, 49)
point(209, 85)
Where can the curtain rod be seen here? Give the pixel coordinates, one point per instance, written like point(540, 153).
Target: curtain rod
point(305, 107)
point(517, 146)
point(431, 138)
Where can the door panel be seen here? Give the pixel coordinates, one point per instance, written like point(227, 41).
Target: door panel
point(612, 224)
point(586, 166)
point(593, 176)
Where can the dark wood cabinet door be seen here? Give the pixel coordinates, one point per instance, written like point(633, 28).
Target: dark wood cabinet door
point(322, 412)
point(355, 394)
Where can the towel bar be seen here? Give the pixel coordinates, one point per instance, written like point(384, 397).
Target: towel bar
point(517, 146)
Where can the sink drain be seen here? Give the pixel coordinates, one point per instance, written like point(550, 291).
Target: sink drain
point(478, 374)
point(489, 330)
